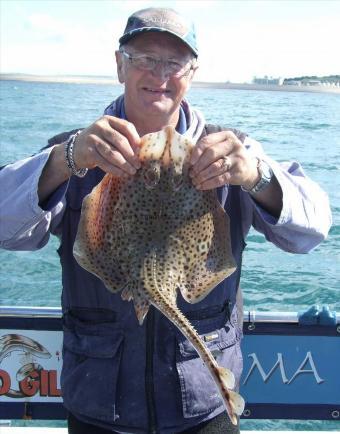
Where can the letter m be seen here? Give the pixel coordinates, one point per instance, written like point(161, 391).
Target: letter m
point(265, 377)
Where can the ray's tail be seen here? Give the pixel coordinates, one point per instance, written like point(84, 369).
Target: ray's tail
point(223, 377)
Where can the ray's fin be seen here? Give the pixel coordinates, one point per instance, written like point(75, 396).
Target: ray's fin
point(227, 377)
point(93, 246)
point(141, 307)
point(127, 294)
point(209, 260)
point(141, 303)
point(236, 402)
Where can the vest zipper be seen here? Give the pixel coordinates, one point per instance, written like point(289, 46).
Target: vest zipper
point(149, 380)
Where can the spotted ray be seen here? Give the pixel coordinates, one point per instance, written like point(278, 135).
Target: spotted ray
point(155, 233)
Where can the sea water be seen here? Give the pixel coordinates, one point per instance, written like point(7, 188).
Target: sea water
point(304, 127)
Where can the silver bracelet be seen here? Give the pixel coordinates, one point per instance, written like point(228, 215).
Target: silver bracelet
point(69, 144)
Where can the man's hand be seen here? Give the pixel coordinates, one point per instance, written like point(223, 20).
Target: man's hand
point(109, 143)
point(220, 158)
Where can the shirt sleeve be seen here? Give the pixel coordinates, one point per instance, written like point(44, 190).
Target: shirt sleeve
point(24, 224)
point(305, 218)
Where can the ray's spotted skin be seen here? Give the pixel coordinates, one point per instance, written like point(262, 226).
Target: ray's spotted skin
point(155, 233)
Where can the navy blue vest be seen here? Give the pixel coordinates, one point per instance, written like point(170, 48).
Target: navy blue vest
point(146, 378)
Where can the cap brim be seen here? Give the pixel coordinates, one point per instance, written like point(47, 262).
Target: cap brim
point(125, 38)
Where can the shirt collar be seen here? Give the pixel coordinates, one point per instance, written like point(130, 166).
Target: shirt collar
point(181, 126)
point(117, 108)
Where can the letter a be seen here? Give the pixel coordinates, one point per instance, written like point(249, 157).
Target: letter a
point(300, 370)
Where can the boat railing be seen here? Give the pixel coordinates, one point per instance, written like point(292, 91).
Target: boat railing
point(250, 316)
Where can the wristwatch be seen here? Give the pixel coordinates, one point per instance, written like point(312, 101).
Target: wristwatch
point(266, 174)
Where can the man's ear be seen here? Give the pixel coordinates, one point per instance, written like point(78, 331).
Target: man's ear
point(192, 73)
point(120, 67)
point(194, 69)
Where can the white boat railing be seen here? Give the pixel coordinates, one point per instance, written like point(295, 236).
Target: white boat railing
point(251, 316)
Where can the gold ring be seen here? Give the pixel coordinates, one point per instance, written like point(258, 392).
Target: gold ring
point(226, 163)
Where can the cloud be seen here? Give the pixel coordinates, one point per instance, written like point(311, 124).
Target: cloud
point(235, 43)
point(62, 46)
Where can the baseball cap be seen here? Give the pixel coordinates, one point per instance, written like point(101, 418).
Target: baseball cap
point(161, 20)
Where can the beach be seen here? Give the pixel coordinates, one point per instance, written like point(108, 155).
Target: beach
point(106, 80)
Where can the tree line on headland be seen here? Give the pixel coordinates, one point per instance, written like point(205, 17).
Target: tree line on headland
point(323, 79)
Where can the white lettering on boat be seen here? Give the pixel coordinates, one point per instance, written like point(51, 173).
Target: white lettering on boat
point(280, 363)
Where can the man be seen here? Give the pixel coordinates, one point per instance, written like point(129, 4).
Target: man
point(119, 376)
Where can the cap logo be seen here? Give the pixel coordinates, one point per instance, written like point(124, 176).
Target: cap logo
point(166, 23)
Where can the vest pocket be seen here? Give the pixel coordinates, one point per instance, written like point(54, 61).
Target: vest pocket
point(90, 372)
point(199, 392)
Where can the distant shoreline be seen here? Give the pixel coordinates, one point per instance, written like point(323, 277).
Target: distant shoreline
point(75, 79)
point(198, 84)
point(268, 87)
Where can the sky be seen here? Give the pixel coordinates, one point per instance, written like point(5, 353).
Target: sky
point(238, 40)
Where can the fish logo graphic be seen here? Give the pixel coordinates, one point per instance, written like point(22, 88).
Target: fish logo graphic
point(29, 348)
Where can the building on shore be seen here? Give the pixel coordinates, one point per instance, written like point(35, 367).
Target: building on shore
point(312, 82)
point(268, 80)
point(292, 83)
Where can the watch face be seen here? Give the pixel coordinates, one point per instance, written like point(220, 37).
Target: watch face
point(267, 172)
point(266, 176)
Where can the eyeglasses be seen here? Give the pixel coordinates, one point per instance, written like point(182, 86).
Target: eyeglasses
point(172, 68)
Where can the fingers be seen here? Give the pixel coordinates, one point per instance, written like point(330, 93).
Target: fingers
point(215, 175)
point(123, 135)
point(110, 160)
point(211, 148)
point(220, 159)
point(217, 169)
point(111, 144)
point(123, 138)
point(217, 181)
point(212, 159)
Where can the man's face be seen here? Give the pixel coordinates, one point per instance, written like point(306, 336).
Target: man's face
point(155, 92)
